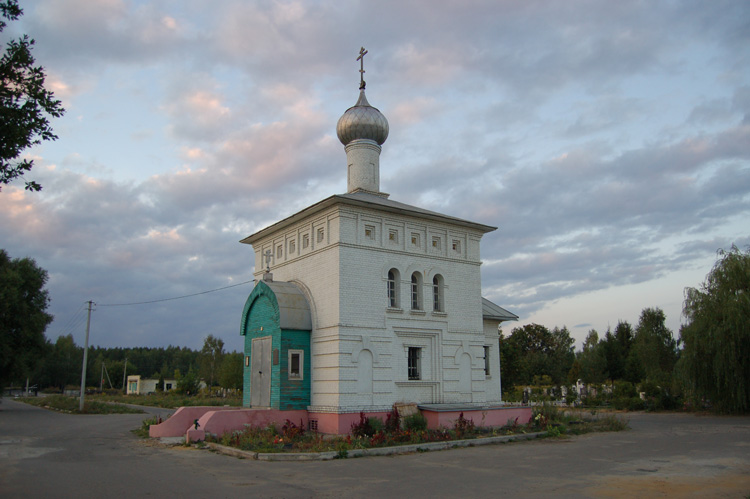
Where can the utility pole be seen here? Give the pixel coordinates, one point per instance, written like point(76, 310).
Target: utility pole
point(85, 358)
point(124, 377)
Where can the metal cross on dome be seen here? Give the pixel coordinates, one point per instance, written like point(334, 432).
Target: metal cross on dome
point(361, 60)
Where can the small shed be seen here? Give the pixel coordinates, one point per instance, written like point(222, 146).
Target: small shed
point(143, 386)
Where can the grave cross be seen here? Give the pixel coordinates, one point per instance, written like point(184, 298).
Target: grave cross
point(361, 60)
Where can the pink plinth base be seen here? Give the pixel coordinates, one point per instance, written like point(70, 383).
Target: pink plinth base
point(340, 424)
point(220, 420)
point(494, 417)
point(181, 420)
point(194, 435)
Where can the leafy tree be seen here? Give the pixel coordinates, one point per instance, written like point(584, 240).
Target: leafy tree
point(211, 356)
point(533, 350)
point(591, 359)
point(715, 361)
point(231, 371)
point(575, 372)
point(616, 348)
point(562, 355)
point(624, 337)
point(24, 103)
point(188, 384)
point(23, 317)
point(61, 365)
point(654, 350)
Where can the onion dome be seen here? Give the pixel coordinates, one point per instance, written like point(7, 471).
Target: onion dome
point(362, 121)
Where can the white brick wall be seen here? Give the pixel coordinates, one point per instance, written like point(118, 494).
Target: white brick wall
point(344, 277)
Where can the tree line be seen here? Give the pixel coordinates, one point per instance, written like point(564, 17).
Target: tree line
point(533, 354)
point(708, 365)
point(25, 353)
point(62, 361)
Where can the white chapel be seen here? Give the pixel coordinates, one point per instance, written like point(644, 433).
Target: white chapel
point(362, 302)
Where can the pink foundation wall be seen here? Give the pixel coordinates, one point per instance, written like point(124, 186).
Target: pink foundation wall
point(181, 420)
point(341, 424)
point(218, 423)
point(494, 417)
point(219, 420)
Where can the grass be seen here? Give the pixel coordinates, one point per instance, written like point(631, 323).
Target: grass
point(63, 403)
point(168, 400)
point(145, 426)
point(559, 423)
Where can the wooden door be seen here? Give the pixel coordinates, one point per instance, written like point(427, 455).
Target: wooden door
point(260, 379)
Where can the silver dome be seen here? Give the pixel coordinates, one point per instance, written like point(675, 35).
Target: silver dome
point(362, 121)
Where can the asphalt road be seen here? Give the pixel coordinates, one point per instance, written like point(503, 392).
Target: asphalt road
point(46, 454)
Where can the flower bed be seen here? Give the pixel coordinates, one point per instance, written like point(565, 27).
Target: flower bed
point(368, 433)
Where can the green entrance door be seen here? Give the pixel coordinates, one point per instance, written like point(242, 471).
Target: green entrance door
point(260, 379)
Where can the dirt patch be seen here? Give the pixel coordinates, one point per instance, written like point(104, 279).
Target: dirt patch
point(679, 477)
point(728, 485)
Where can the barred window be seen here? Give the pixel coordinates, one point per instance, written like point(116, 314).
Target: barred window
point(414, 357)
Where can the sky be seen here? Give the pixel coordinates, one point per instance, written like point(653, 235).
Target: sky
point(609, 142)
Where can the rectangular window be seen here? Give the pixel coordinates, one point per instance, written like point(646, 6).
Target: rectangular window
point(415, 239)
point(436, 243)
point(279, 251)
point(370, 232)
point(321, 235)
point(292, 246)
point(414, 357)
point(305, 241)
point(486, 360)
point(167, 386)
point(457, 246)
point(247, 361)
point(296, 364)
point(393, 236)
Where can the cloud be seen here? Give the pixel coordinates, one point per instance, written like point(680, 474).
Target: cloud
point(102, 30)
point(609, 143)
point(197, 111)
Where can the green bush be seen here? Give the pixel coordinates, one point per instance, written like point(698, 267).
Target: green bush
point(628, 404)
point(367, 427)
point(463, 426)
point(624, 389)
point(415, 422)
point(146, 425)
point(650, 388)
point(659, 398)
point(635, 404)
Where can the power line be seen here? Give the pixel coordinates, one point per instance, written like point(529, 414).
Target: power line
point(170, 299)
point(74, 321)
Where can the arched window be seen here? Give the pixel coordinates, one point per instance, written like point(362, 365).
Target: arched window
point(416, 291)
point(392, 288)
point(438, 303)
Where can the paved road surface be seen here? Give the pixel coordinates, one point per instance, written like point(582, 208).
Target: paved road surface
point(46, 454)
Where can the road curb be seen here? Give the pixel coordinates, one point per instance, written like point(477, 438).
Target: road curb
point(378, 451)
